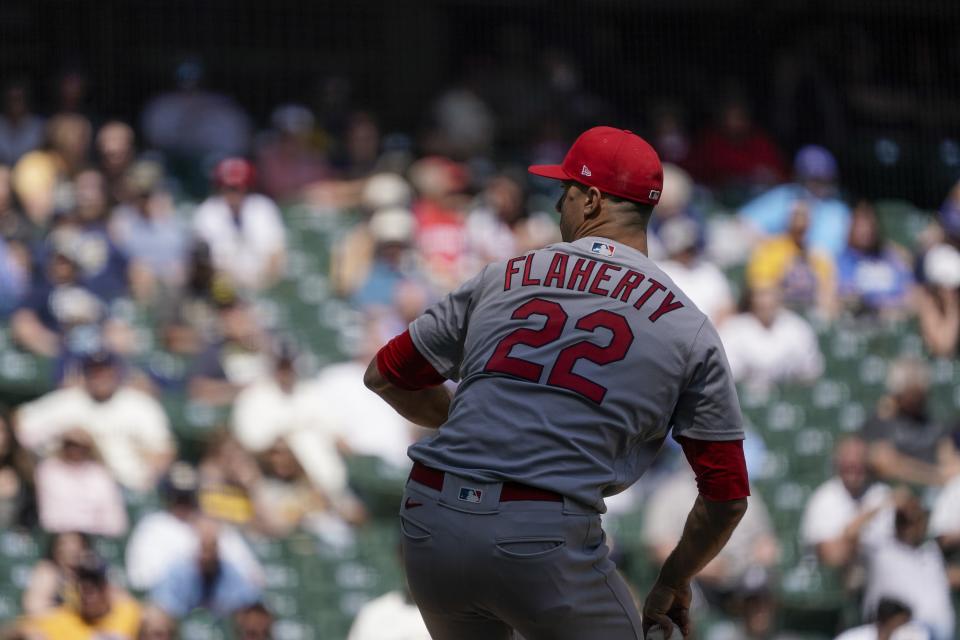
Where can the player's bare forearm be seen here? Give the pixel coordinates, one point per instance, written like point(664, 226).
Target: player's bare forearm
point(707, 530)
point(426, 407)
point(949, 542)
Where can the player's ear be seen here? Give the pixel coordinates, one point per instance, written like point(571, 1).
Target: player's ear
point(591, 203)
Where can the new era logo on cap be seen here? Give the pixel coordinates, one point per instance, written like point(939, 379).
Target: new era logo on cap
point(654, 194)
point(585, 171)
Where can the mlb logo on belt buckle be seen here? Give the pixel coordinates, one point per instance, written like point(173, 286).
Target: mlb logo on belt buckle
point(469, 494)
point(603, 249)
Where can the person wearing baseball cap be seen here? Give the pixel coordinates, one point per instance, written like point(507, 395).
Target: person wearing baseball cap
point(615, 357)
point(616, 174)
point(244, 230)
point(815, 182)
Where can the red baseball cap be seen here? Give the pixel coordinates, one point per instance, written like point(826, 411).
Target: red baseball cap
point(236, 173)
point(615, 161)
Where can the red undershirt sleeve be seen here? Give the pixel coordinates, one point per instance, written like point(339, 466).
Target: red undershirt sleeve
point(404, 367)
point(720, 468)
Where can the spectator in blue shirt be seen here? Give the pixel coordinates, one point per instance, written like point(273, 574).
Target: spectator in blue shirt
point(815, 172)
point(392, 232)
point(872, 275)
point(149, 233)
point(205, 581)
point(13, 279)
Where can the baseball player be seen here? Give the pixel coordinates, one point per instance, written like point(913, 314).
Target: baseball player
point(575, 362)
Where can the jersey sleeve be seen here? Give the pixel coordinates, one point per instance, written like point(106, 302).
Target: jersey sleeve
point(719, 466)
point(440, 332)
point(708, 407)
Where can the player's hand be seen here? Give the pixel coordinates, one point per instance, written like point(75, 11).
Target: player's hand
point(667, 605)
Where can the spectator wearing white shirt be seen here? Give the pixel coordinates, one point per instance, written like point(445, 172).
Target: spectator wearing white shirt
point(283, 407)
point(392, 616)
point(700, 279)
point(892, 623)
point(164, 537)
point(244, 230)
point(847, 508)
point(945, 521)
point(769, 344)
point(128, 427)
point(365, 424)
point(911, 568)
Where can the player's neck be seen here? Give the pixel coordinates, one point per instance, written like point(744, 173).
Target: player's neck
point(636, 238)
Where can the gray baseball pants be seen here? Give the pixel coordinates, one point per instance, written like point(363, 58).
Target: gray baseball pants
point(479, 568)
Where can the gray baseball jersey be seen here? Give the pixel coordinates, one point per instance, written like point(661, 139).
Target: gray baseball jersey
point(574, 362)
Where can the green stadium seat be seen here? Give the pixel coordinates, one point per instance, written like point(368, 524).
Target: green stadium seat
point(283, 605)
point(200, 625)
point(812, 597)
point(292, 628)
point(901, 221)
point(281, 577)
point(23, 376)
point(15, 545)
point(852, 416)
point(377, 484)
point(18, 574)
point(10, 599)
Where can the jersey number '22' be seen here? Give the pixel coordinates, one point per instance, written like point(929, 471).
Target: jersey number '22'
point(561, 373)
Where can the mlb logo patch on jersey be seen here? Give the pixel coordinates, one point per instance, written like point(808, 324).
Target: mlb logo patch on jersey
point(469, 494)
point(603, 249)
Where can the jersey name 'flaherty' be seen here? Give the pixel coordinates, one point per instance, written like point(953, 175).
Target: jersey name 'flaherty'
point(574, 362)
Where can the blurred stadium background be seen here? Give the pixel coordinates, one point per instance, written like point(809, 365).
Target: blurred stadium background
point(184, 389)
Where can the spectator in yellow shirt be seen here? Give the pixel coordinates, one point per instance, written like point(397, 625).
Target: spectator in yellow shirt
point(99, 611)
point(806, 276)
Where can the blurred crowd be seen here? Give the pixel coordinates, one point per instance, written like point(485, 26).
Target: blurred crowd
point(179, 217)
